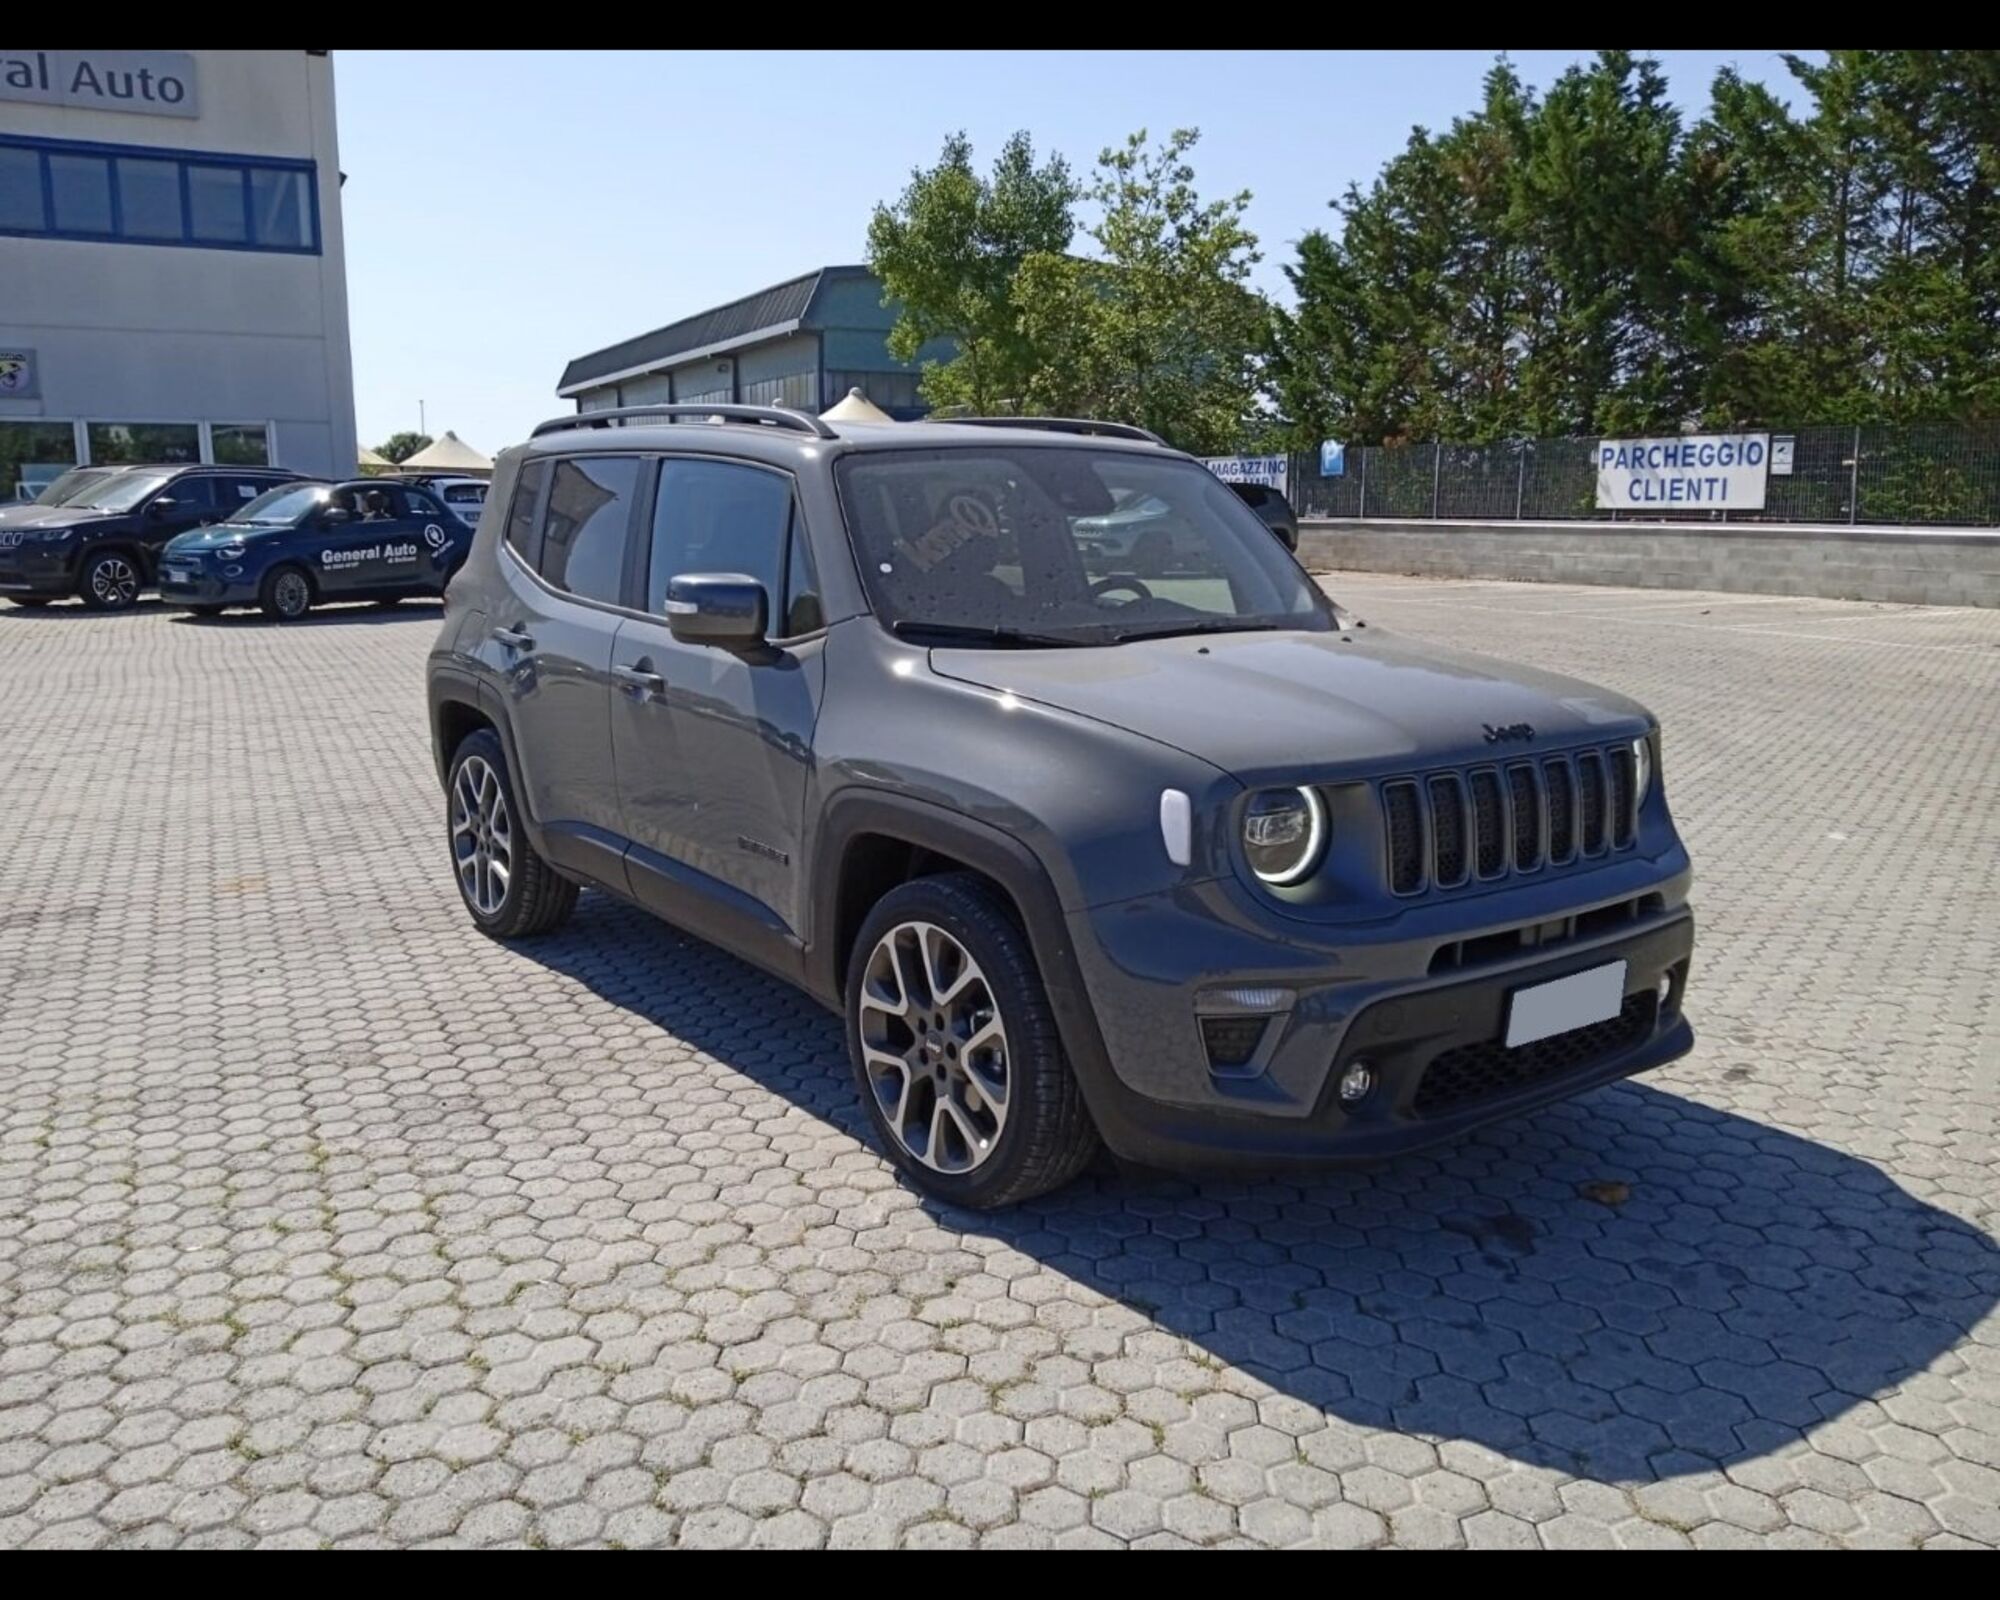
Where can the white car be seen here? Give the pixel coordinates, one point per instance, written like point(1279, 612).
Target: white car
point(462, 497)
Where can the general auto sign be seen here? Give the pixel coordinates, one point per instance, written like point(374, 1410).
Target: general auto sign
point(1708, 471)
point(152, 83)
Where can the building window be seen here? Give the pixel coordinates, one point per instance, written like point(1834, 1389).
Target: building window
point(118, 442)
point(32, 456)
point(239, 444)
point(21, 191)
point(894, 392)
point(81, 189)
point(149, 198)
point(66, 189)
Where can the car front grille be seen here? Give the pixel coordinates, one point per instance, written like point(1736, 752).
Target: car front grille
point(1445, 830)
point(1474, 1072)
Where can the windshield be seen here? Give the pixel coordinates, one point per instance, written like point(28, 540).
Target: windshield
point(122, 491)
point(280, 508)
point(1052, 545)
point(72, 486)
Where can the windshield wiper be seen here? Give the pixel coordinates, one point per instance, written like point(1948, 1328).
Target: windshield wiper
point(1175, 630)
point(968, 633)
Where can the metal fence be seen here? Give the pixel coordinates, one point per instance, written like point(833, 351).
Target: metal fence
point(1934, 474)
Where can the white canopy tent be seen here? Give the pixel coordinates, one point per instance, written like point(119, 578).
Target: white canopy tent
point(449, 454)
point(855, 407)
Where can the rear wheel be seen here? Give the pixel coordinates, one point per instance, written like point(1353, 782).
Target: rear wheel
point(110, 581)
point(507, 886)
point(286, 593)
point(955, 1049)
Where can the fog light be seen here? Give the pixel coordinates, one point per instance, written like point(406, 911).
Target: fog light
point(1665, 990)
point(1356, 1082)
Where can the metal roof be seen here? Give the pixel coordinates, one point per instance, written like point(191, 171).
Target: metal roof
point(768, 313)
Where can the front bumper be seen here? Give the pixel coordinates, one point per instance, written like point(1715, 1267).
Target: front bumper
point(49, 572)
point(200, 586)
point(1427, 1012)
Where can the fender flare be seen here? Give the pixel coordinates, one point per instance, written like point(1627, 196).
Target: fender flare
point(1009, 862)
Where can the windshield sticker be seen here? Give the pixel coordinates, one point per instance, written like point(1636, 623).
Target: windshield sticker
point(967, 517)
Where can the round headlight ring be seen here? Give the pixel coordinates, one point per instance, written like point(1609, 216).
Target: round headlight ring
point(1312, 850)
point(1642, 770)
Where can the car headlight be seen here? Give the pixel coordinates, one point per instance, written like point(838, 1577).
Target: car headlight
point(1642, 770)
point(228, 552)
point(1284, 833)
point(55, 535)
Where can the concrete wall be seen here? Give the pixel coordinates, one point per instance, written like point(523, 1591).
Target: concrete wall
point(136, 333)
point(1907, 565)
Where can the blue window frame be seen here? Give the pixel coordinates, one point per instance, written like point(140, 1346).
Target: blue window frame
point(139, 194)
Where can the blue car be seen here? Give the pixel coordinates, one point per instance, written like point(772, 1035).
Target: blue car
point(309, 543)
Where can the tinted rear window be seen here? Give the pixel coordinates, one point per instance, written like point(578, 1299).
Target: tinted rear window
point(523, 532)
point(583, 529)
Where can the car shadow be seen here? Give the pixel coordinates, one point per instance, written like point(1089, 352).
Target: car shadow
point(418, 608)
point(1628, 1286)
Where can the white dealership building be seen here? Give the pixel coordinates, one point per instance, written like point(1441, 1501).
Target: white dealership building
point(172, 283)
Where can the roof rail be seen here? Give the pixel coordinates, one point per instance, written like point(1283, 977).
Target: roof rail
point(768, 416)
point(1107, 430)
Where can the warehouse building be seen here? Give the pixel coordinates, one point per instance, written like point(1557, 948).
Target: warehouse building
point(172, 285)
point(802, 343)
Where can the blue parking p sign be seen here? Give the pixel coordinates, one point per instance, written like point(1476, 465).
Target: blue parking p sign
point(1332, 459)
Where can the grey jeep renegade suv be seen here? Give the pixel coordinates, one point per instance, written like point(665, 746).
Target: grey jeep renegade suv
point(1194, 863)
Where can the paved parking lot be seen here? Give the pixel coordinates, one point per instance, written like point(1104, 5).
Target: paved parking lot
point(325, 1222)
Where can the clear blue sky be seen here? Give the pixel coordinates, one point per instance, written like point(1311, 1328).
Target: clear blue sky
point(508, 211)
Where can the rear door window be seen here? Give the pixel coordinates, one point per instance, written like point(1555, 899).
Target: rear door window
point(524, 531)
point(583, 529)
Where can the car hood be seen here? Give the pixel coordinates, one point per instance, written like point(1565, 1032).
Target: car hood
point(26, 514)
point(218, 534)
point(1260, 705)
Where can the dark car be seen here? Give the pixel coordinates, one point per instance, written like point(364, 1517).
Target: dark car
point(1195, 865)
point(1273, 510)
point(103, 541)
point(308, 543)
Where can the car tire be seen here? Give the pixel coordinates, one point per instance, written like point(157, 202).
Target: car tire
point(110, 581)
point(509, 889)
point(286, 594)
point(932, 1102)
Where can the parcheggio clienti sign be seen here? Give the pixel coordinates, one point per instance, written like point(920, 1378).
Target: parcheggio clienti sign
point(152, 83)
point(1713, 471)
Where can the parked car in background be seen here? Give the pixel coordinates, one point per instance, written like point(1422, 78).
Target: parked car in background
point(308, 543)
point(103, 542)
point(59, 490)
point(463, 497)
point(1195, 864)
point(1273, 510)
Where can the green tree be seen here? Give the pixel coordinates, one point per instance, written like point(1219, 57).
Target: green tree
point(948, 252)
point(399, 447)
point(1160, 327)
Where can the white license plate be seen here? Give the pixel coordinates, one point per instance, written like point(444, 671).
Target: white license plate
point(1573, 1002)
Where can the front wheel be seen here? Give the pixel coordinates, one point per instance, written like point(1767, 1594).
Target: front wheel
point(508, 887)
point(110, 581)
point(286, 594)
point(955, 1049)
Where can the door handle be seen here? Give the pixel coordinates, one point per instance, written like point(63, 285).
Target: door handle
point(514, 638)
point(640, 678)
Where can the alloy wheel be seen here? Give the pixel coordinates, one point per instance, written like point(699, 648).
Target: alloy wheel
point(482, 836)
point(934, 1047)
point(114, 582)
point(291, 594)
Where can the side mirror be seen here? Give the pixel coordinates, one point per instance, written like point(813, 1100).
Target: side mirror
point(161, 506)
point(725, 609)
point(333, 514)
